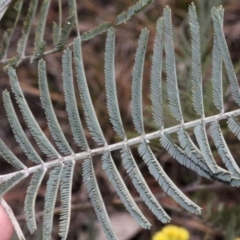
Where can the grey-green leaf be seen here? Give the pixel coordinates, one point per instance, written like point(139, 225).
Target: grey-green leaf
point(94, 194)
point(10, 183)
point(71, 104)
point(137, 82)
point(141, 186)
point(50, 200)
point(164, 181)
point(156, 75)
point(53, 123)
point(122, 191)
point(172, 86)
point(197, 93)
point(66, 196)
point(36, 131)
point(39, 43)
point(10, 157)
point(90, 115)
point(110, 84)
point(29, 203)
point(18, 132)
point(217, 15)
point(223, 150)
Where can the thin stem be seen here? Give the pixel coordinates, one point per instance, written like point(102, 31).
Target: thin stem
point(118, 146)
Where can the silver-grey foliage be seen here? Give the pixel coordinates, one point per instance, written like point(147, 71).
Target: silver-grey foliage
point(195, 156)
point(156, 75)
point(52, 121)
point(36, 131)
point(29, 204)
point(197, 95)
point(172, 85)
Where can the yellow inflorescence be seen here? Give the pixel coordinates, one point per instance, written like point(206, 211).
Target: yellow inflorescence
point(171, 232)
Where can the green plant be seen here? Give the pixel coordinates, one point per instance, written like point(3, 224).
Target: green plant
point(62, 161)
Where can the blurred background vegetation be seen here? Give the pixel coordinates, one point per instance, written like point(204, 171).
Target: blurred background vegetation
point(221, 210)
